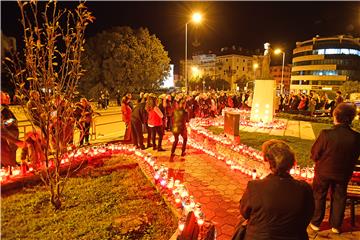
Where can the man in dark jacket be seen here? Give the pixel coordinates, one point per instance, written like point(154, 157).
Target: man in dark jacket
point(179, 127)
point(138, 117)
point(335, 153)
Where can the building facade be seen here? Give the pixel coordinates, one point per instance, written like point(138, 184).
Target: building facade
point(234, 68)
point(324, 64)
point(276, 73)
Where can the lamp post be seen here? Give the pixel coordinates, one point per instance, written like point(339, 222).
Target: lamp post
point(196, 18)
point(277, 51)
point(255, 66)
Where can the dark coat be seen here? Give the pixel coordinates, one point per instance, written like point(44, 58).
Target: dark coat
point(277, 208)
point(9, 136)
point(139, 113)
point(180, 119)
point(335, 152)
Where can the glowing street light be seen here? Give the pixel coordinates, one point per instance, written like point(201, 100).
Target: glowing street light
point(195, 71)
point(278, 51)
point(196, 18)
point(255, 66)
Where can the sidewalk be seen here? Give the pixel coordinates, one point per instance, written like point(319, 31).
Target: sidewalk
point(300, 129)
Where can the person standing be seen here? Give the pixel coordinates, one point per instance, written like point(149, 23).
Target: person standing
point(106, 99)
point(138, 115)
point(335, 153)
point(169, 112)
point(155, 121)
point(85, 121)
point(278, 206)
point(9, 133)
point(126, 117)
point(118, 98)
point(179, 127)
point(338, 99)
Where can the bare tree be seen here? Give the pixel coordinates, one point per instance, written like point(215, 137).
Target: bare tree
point(46, 75)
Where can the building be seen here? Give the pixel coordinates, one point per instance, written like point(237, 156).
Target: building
point(276, 73)
point(235, 67)
point(325, 63)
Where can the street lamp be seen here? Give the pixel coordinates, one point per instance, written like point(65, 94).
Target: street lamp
point(196, 18)
point(277, 51)
point(255, 66)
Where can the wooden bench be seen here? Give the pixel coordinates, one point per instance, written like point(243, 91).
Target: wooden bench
point(353, 192)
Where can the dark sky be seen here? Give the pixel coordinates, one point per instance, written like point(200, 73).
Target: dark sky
point(245, 24)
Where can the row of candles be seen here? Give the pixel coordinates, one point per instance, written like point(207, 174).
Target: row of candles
point(256, 169)
point(244, 120)
point(175, 190)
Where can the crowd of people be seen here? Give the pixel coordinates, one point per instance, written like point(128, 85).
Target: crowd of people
point(56, 124)
point(170, 112)
point(103, 99)
point(309, 104)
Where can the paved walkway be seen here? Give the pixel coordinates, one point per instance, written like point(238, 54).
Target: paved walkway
point(300, 129)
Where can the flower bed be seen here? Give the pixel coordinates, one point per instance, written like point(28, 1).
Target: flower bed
point(237, 156)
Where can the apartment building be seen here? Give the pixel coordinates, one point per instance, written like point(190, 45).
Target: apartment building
point(325, 63)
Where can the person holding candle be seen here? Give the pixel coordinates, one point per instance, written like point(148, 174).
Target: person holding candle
point(335, 153)
point(278, 206)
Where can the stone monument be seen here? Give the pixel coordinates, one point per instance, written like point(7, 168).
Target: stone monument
point(262, 109)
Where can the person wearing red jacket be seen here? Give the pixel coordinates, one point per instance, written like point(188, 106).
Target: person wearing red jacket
point(126, 117)
point(155, 122)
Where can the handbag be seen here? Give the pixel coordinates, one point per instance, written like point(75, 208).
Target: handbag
point(240, 231)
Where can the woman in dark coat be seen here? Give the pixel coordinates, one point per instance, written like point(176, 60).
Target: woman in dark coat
point(278, 206)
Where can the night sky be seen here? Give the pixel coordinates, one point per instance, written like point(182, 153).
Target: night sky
point(245, 24)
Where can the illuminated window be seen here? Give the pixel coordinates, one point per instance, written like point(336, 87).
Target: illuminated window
point(344, 51)
point(331, 51)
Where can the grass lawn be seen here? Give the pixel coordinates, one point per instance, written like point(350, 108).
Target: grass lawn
point(317, 127)
point(114, 201)
point(255, 140)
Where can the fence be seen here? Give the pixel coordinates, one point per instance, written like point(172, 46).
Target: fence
point(26, 126)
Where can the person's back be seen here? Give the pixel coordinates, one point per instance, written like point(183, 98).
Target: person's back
point(180, 119)
point(277, 208)
point(334, 152)
point(337, 159)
